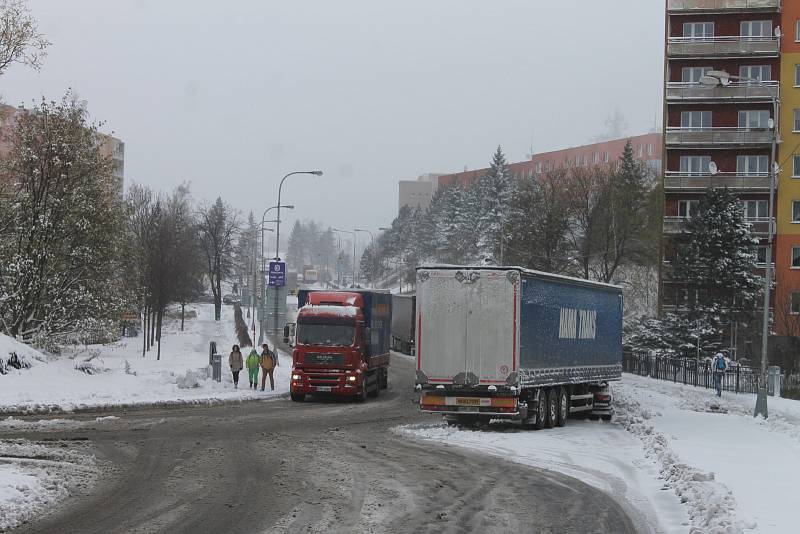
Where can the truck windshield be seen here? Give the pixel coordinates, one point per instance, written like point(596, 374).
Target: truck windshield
point(326, 335)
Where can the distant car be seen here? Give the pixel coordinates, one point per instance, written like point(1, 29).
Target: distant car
point(206, 299)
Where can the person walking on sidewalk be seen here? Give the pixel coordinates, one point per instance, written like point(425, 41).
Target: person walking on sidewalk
point(236, 363)
point(719, 366)
point(252, 368)
point(268, 361)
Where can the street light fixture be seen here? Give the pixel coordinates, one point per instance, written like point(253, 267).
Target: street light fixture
point(354, 250)
point(721, 78)
point(278, 225)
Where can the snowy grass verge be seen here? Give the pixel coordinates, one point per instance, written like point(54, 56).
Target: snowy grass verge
point(35, 477)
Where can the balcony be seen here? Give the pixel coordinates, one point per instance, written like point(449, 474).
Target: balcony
point(686, 7)
point(677, 225)
point(718, 137)
point(726, 46)
point(681, 181)
point(692, 92)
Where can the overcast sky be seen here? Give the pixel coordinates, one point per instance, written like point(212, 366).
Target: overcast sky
point(233, 95)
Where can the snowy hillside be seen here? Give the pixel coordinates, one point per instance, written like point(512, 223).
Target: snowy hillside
point(117, 374)
point(685, 460)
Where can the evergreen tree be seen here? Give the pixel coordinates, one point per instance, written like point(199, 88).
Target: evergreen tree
point(495, 190)
point(717, 261)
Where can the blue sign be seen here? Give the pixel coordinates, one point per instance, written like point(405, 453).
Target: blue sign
point(277, 273)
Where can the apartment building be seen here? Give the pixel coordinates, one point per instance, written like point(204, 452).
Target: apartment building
point(646, 148)
point(110, 146)
point(731, 115)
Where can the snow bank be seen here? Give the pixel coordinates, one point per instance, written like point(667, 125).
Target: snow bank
point(99, 377)
point(34, 477)
point(27, 355)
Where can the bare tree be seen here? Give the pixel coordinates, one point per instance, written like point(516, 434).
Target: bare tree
point(20, 40)
point(217, 227)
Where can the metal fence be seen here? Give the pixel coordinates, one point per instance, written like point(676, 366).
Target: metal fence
point(738, 378)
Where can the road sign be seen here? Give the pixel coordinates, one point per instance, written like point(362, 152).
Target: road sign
point(277, 273)
point(130, 316)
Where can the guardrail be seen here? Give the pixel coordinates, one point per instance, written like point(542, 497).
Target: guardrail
point(731, 180)
point(705, 6)
point(718, 136)
point(735, 91)
point(739, 379)
point(729, 45)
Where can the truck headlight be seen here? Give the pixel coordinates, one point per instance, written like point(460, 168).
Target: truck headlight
point(295, 377)
point(351, 378)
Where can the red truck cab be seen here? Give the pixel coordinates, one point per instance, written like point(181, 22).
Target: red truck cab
point(334, 350)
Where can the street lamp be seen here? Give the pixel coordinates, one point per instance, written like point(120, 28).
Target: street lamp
point(354, 250)
point(372, 237)
point(278, 225)
point(717, 78)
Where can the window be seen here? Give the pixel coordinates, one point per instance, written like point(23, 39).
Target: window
point(538, 167)
point(797, 31)
point(695, 165)
point(795, 257)
point(795, 303)
point(754, 119)
point(649, 149)
point(755, 28)
point(641, 147)
point(693, 74)
point(795, 166)
point(688, 208)
point(761, 255)
point(698, 30)
point(695, 119)
point(605, 157)
point(595, 158)
point(796, 127)
point(755, 209)
point(796, 211)
point(756, 72)
point(326, 335)
point(797, 75)
point(752, 165)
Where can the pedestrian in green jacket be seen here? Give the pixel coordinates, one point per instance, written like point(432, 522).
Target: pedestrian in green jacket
point(252, 364)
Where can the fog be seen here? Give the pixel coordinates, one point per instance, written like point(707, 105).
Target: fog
point(233, 95)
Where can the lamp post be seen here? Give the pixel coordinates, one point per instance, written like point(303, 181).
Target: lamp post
point(372, 237)
point(354, 250)
point(278, 225)
point(722, 78)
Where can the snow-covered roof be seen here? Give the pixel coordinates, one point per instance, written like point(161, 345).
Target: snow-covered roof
point(532, 272)
point(344, 312)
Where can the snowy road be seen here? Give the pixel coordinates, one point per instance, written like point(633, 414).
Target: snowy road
point(277, 466)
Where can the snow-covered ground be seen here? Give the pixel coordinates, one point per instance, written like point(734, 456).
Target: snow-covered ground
point(678, 457)
point(121, 376)
point(33, 477)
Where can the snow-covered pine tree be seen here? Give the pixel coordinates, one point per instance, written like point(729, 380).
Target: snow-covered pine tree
point(716, 261)
point(495, 190)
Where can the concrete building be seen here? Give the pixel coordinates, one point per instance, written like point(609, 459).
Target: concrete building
point(110, 146)
point(647, 148)
point(418, 193)
point(721, 134)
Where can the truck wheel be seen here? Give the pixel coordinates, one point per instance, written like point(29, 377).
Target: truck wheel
point(563, 407)
point(541, 411)
point(385, 379)
point(376, 387)
point(297, 397)
point(362, 395)
point(552, 408)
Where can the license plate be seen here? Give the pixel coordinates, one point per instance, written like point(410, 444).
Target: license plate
point(468, 401)
point(323, 388)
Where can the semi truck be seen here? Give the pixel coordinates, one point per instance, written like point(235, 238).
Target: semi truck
point(341, 344)
point(403, 323)
point(511, 343)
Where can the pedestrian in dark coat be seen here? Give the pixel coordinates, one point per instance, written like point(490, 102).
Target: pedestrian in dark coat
point(267, 366)
point(236, 363)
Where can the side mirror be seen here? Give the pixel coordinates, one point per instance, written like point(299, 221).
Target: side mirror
point(285, 333)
